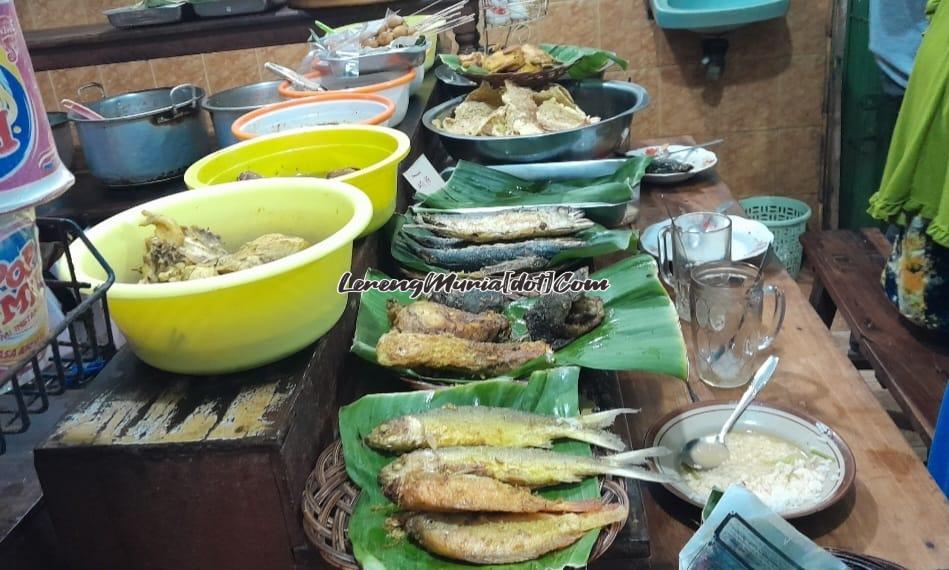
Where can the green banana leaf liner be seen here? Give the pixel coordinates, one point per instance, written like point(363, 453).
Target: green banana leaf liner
point(550, 392)
point(639, 332)
point(475, 186)
point(582, 62)
point(597, 241)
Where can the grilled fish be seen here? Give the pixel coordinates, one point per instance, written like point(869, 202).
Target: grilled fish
point(429, 240)
point(474, 257)
point(473, 301)
point(505, 538)
point(452, 426)
point(505, 225)
point(442, 353)
point(431, 318)
point(525, 467)
point(451, 493)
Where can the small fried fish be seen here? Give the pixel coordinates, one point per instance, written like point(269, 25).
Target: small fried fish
point(453, 426)
point(506, 225)
point(442, 353)
point(431, 318)
point(531, 468)
point(444, 493)
point(505, 538)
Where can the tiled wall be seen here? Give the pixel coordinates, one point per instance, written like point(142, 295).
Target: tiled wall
point(212, 71)
point(768, 104)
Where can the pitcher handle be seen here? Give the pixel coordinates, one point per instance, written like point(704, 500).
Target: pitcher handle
point(665, 257)
point(780, 305)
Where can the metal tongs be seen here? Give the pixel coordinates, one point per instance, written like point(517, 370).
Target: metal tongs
point(297, 79)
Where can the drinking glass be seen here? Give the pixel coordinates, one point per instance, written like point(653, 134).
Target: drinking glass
point(727, 301)
point(689, 240)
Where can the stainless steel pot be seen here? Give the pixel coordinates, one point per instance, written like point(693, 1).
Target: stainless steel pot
point(146, 136)
point(62, 136)
point(615, 102)
point(225, 107)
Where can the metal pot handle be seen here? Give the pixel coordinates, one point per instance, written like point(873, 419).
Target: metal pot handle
point(179, 110)
point(193, 101)
point(91, 85)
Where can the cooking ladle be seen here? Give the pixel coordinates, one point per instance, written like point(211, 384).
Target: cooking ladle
point(710, 451)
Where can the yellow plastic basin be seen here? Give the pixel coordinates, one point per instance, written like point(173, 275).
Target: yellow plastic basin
point(376, 151)
point(247, 318)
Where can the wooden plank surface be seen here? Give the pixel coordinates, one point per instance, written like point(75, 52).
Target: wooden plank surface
point(894, 511)
point(912, 366)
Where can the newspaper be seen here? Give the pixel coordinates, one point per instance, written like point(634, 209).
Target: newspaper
point(741, 532)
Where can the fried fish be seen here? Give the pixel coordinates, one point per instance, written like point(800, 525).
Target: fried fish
point(431, 318)
point(505, 538)
point(449, 354)
point(453, 426)
point(531, 468)
point(452, 493)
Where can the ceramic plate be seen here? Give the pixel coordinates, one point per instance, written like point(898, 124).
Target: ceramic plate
point(749, 238)
point(704, 418)
point(701, 160)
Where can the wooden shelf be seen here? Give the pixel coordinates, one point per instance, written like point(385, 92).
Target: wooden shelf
point(79, 46)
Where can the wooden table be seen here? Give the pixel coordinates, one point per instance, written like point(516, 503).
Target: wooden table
point(895, 510)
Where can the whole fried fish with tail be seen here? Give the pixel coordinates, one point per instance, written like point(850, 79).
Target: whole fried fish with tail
point(453, 426)
point(505, 225)
point(531, 468)
point(431, 318)
point(505, 538)
point(475, 257)
point(450, 493)
point(442, 353)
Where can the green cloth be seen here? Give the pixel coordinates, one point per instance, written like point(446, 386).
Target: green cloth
point(916, 177)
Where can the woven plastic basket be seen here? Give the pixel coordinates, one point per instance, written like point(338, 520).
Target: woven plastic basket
point(787, 220)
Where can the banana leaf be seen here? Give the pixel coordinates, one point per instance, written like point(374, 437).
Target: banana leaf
point(552, 392)
point(598, 241)
point(473, 186)
point(640, 331)
point(583, 62)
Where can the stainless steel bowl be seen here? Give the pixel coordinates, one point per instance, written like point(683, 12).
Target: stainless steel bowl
point(225, 107)
point(615, 102)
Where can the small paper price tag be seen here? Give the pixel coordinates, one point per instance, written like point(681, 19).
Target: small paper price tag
point(423, 177)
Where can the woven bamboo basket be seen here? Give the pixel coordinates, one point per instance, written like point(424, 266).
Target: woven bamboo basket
point(537, 79)
point(329, 497)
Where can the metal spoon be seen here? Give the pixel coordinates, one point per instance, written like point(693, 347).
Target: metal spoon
point(710, 451)
point(693, 147)
point(293, 77)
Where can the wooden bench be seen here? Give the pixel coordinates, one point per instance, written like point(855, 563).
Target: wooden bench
point(847, 265)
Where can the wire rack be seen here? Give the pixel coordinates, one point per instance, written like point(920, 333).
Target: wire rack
point(512, 16)
point(75, 350)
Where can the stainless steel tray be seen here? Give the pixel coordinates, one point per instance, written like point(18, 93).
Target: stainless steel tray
point(609, 216)
point(131, 17)
point(377, 62)
point(219, 8)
